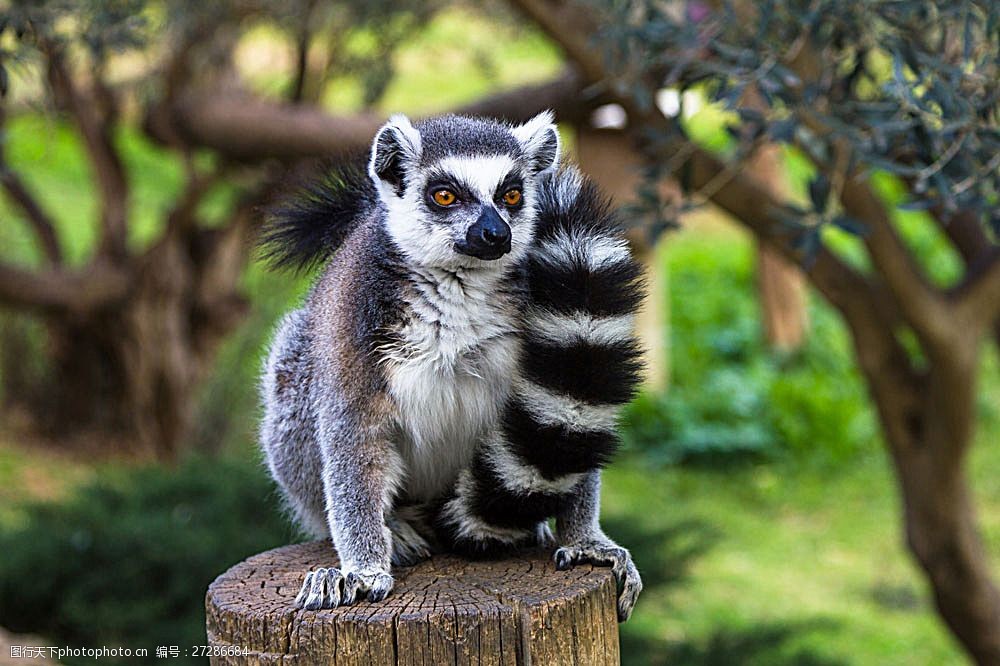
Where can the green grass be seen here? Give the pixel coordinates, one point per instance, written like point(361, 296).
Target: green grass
point(815, 553)
point(727, 555)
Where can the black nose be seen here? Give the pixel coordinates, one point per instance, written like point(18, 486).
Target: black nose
point(495, 235)
point(488, 238)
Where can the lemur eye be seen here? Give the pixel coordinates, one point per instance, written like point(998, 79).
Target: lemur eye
point(444, 197)
point(512, 197)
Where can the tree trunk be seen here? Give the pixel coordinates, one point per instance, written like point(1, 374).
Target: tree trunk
point(445, 610)
point(780, 283)
point(128, 372)
point(941, 533)
point(781, 292)
point(928, 421)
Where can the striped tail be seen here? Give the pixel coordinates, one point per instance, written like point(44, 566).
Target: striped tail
point(580, 363)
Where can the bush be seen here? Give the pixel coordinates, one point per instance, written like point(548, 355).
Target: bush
point(126, 561)
point(730, 397)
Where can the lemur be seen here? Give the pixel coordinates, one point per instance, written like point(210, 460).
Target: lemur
point(393, 386)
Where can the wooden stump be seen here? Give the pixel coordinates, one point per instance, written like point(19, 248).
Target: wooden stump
point(446, 610)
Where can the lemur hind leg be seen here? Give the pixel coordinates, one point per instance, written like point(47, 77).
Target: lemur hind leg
point(287, 432)
point(408, 545)
point(584, 542)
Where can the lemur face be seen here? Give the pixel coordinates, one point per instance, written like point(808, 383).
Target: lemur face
point(460, 192)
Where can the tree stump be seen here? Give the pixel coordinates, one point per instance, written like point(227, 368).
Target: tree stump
point(446, 610)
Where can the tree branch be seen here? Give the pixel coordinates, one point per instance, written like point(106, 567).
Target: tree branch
point(965, 233)
point(754, 206)
point(37, 218)
point(924, 307)
point(978, 297)
point(95, 128)
point(252, 129)
point(183, 215)
point(21, 196)
point(303, 39)
point(568, 25)
point(61, 290)
point(968, 236)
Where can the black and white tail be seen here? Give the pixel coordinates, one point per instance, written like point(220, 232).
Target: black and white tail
point(580, 363)
point(306, 229)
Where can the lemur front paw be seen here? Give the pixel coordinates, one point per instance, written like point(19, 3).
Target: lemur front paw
point(322, 588)
point(606, 554)
point(376, 585)
point(329, 588)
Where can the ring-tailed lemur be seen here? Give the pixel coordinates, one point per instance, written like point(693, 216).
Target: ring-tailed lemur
point(379, 389)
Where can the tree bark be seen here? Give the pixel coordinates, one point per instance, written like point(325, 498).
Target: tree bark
point(781, 293)
point(245, 128)
point(780, 283)
point(941, 533)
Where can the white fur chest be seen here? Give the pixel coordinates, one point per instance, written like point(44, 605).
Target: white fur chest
point(450, 372)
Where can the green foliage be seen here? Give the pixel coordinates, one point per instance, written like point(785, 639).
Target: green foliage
point(907, 86)
point(127, 559)
point(730, 397)
point(99, 26)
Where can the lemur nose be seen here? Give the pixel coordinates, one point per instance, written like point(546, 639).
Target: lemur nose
point(488, 238)
point(495, 235)
point(493, 231)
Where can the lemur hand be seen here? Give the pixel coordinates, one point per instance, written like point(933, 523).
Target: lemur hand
point(322, 588)
point(604, 552)
point(329, 588)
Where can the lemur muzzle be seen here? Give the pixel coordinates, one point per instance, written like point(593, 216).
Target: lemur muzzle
point(489, 237)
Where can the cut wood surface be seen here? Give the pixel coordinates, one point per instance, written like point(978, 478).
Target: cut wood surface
point(446, 610)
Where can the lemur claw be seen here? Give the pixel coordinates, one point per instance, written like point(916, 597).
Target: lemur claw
point(329, 588)
point(606, 554)
point(320, 589)
point(408, 546)
point(375, 586)
point(544, 537)
point(563, 560)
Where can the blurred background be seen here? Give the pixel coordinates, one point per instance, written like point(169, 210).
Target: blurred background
point(810, 475)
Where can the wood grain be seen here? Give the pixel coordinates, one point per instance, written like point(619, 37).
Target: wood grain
point(446, 610)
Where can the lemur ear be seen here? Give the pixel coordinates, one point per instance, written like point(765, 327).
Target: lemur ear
point(539, 140)
point(396, 144)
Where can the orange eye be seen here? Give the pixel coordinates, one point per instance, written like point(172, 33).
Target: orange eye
point(512, 197)
point(444, 197)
